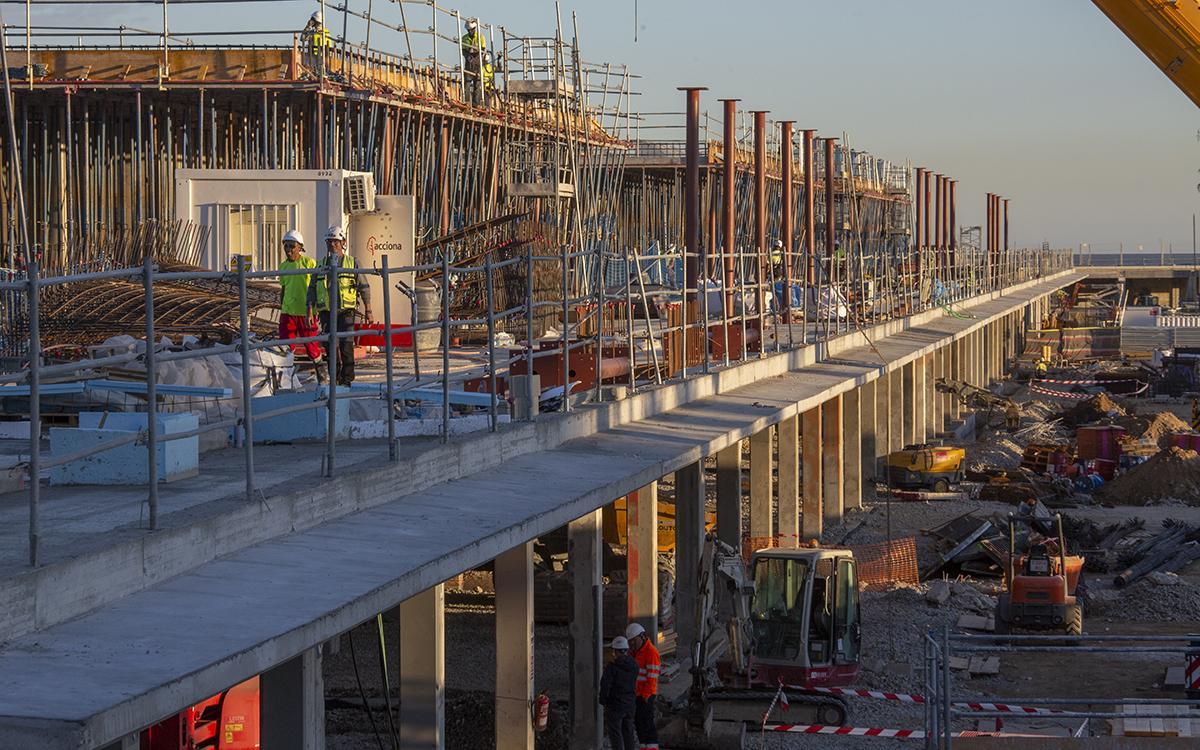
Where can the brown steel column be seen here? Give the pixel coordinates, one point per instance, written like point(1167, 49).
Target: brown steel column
point(810, 209)
point(919, 223)
point(1006, 225)
point(728, 225)
point(987, 242)
point(938, 237)
point(928, 238)
point(444, 160)
point(954, 221)
point(691, 190)
point(829, 194)
point(785, 220)
point(760, 216)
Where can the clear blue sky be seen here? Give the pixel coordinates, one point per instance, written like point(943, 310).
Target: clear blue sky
point(1043, 101)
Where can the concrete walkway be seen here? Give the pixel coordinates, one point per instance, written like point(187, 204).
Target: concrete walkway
point(92, 679)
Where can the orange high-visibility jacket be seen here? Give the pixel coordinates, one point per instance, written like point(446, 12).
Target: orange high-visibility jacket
point(649, 666)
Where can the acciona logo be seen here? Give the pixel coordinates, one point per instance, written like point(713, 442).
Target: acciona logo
point(374, 246)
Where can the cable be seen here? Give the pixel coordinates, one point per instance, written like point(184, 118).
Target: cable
point(387, 685)
point(362, 693)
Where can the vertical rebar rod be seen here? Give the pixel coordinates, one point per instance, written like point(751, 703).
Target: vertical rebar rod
point(445, 344)
point(331, 356)
point(834, 305)
point(35, 411)
point(728, 216)
point(389, 367)
point(691, 212)
point(529, 390)
point(151, 393)
point(491, 326)
point(247, 398)
point(810, 226)
point(762, 255)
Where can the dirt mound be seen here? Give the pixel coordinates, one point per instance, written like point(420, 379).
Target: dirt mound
point(1171, 473)
point(1157, 427)
point(1098, 407)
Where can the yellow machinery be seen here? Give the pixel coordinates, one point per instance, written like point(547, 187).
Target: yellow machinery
point(1167, 32)
point(614, 524)
point(931, 467)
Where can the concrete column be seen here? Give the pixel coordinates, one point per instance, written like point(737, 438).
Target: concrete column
point(833, 503)
point(689, 543)
point(761, 472)
point(292, 704)
point(729, 495)
point(642, 558)
point(811, 518)
point(896, 410)
point(584, 552)
point(907, 403)
point(852, 448)
point(789, 482)
point(513, 578)
point(930, 396)
point(867, 405)
point(883, 418)
point(423, 670)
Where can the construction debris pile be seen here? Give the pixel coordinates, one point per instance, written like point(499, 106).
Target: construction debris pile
point(1171, 474)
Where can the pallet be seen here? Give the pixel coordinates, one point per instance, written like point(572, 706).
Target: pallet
point(1132, 726)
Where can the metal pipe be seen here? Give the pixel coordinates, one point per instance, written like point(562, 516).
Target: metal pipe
point(446, 347)
point(389, 366)
point(760, 223)
point(691, 221)
point(919, 228)
point(939, 227)
point(830, 242)
point(151, 393)
point(810, 224)
point(247, 407)
point(331, 356)
point(786, 228)
point(491, 329)
point(35, 411)
point(954, 222)
point(1005, 225)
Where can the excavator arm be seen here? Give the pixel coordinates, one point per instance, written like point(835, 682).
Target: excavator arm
point(1167, 32)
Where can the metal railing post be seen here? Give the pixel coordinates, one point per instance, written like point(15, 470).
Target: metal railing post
point(331, 356)
point(491, 326)
point(445, 346)
point(151, 394)
point(244, 349)
point(946, 733)
point(35, 411)
point(389, 385)
point(529, 394)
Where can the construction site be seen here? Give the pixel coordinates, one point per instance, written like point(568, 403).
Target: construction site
point(554, 379)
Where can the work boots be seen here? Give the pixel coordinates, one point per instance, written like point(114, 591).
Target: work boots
point(322, 371)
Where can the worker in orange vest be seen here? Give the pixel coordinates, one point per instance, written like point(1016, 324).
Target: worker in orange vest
point(646, 692)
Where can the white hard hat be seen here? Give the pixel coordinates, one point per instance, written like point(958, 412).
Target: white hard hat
point(634, 630)
point(472, 24)
point(778, 243)
point(620, 643)
point(293, 235)
point(315, 16)
point(335, 232)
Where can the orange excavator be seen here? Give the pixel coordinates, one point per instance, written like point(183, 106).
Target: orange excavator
point(1167, 32)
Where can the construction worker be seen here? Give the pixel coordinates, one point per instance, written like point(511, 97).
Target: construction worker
point(473, 46)
point(649, 666)
point(316, 37)
point(487, 74)
point(1041, 367)
point(297, 318)
point(1012, 417)
point(618, 686)
point(346, 293)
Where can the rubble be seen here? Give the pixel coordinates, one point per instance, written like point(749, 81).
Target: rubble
point(1171, 473)
point(1097, 408)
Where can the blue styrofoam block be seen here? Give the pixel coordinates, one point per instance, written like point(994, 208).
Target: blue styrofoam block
point(299, 425)
point(125, 464)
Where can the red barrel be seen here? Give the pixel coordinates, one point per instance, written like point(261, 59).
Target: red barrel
point(1099, 441)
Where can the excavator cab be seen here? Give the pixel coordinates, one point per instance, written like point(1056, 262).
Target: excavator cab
point(804, 615)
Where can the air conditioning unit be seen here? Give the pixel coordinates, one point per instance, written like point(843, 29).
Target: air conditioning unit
point(360, 193)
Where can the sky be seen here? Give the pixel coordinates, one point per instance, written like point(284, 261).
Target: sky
point(1042, 101)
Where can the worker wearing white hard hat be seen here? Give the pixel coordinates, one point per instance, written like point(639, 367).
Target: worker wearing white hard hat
point(347, 292)
point(618, 688)
point(297, 319)
point(316, 38)
point(473, 46)
point(649, 666)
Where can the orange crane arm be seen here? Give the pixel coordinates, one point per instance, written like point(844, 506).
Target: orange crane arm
point(1167, 32)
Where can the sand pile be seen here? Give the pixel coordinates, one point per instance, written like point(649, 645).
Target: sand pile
point(1170, 473)
point(1156, 428)
point(1098, 407)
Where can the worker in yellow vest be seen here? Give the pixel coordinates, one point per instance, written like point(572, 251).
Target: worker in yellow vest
point(316, 36)
point(297, 319)
point(346, 293)
point(473, 47)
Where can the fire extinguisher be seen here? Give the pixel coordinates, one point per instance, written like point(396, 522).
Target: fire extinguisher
point(541, 712)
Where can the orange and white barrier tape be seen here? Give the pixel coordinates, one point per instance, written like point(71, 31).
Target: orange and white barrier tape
point(920, 699)
point(914, 734)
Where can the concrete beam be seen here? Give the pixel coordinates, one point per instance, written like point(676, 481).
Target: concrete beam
point(761, 481)
point(292, 704)
point(789, 481)
point(584, 552)
point(423, 670)
point(812, 520)
point(689, 542)
point(852, 448)
point(833, 504)
point(642, 557)
point(513, 577)
point(729, 494)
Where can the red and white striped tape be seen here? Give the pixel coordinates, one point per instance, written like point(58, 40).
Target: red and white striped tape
point(914, 734)
point(1033, 386)
point(1085, 382)
point(910, 698)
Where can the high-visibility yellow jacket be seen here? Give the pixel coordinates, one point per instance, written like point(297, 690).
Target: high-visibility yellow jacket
point(295, 288)
point(350, 286)
point(473, 41)
point(320, 38)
